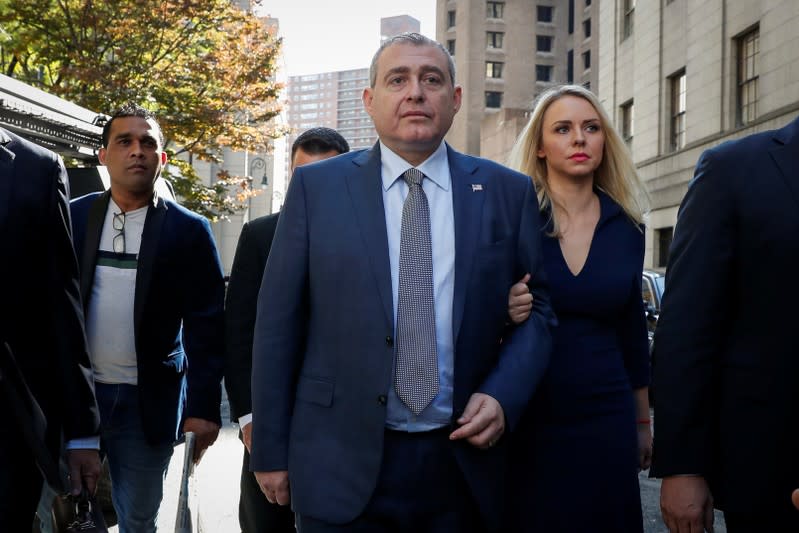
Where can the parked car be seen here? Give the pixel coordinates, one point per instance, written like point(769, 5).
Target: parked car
point(652, 286)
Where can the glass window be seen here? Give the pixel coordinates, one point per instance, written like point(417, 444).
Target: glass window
point(495, 39)
point(629, 18)
point(664, 238)
point(494, 69)
point(587, 28)
point(495, 10)
point(543, 43)
point(570, 66)
point(451, 19)
point(543, 72)
point(627, 121)
point(677, 133)
point(451, 46)
point(748, 74)
point(493, 99)
point(587, 60)
point(544, 13)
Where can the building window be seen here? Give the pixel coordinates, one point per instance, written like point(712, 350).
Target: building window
point(494, 69)
point(677, 133)
point(587, 60)
point(627, 121)
point(451, 46)
point(664, 238)
point(587, 3)
point(570, 66)
point(493, 99)
point(629, 18)
point(543, 72)
point(544, 13)
point(748, 52)
point(495, 10)
point(494, 39)
point(451, 19)
point(587, 28)
point(571, 17)
point(543, 43)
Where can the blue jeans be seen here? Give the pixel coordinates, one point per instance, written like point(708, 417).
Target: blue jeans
point(137, 468)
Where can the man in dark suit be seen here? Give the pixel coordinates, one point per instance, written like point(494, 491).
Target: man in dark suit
point(153, 291)
point(726, 366)
point(384, 376)
point(42, 323)
point(256, 514)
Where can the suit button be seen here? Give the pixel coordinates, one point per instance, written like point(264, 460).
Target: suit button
point(389, 341)
point(382, 399)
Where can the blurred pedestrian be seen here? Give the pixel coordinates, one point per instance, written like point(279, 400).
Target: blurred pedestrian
point(153, 291)
point(256, 514)
point(589, 420)
point(726, 365)
point(41, 322)
point(384, 373)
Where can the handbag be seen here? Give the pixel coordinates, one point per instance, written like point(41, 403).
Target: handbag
point(85, 515)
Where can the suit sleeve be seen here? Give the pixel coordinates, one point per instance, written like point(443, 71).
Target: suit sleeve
point(279, 330)
point(241, 304)
point(80, 413)
point(632, 328)
point(525, 351)
point(203, 327)
point(690, 328)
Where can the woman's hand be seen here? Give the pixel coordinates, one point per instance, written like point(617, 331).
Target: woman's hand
point(644, 446)
point(520, 301)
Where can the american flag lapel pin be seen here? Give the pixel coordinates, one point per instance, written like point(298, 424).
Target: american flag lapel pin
point(476, 187)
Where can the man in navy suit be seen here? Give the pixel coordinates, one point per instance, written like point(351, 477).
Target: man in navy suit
point(256, 515)
point(726, 368)
point(41, 322)
point(385, 376)
point(153, 291)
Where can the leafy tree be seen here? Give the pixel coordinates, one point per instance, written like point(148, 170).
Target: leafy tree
point(204, 66)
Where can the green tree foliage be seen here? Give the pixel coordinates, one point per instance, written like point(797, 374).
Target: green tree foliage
point(204, 66)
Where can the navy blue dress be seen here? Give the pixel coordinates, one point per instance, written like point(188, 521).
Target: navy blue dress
point(575, 454)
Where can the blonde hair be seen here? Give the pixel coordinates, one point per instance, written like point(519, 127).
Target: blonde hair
point(615, 175)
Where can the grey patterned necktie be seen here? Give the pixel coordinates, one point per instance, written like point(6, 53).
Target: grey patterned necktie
point(416, 372)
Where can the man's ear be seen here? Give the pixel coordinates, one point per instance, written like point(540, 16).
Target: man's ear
point(163, 158)
point(101, 155)
point(367, 97)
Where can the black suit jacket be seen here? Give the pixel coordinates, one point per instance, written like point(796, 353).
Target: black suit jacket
point(726, 363)
point(241, 304)
point(41, 316)
point(177, 311)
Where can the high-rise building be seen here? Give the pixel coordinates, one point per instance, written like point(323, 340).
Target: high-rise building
point(508, 52)
point(391, 26)
point(681, 76)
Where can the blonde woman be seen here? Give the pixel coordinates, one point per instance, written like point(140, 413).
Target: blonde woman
point(588, 425)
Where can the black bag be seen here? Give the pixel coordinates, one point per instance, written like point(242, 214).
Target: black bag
point(83, 512)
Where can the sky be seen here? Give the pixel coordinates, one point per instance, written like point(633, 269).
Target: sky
point(327, 35)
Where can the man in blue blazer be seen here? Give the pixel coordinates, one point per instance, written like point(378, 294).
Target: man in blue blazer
point(726, 367)
point(153, 291)
point(385, 376)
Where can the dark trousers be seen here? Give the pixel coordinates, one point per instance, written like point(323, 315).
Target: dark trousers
point(420, 489)
point(256, 514)
point(20, 484)
point(783, 520)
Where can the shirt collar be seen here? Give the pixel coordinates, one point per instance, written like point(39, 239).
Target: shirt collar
point(435, 167)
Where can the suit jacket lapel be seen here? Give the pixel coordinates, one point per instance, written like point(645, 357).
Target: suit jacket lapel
point(91, 243)
point(364, 185)
point(784, 155)
point(468, 193)
point(148, 251)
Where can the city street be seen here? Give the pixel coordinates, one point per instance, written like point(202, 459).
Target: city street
point(217, 488)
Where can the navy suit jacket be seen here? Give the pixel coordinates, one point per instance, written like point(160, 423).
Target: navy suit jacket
point(323, 348)
point(726, 372)
point(177, 311)
point(40, 316)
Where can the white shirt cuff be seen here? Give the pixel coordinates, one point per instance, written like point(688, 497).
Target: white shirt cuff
point(86, 443)
point(244, 420)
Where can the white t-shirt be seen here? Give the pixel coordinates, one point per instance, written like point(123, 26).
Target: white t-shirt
point(109, 321)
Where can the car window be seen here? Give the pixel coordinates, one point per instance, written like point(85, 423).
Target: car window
point(646, 292)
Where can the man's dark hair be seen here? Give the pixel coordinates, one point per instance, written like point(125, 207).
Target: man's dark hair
point(318, 141)
point(130, 110)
